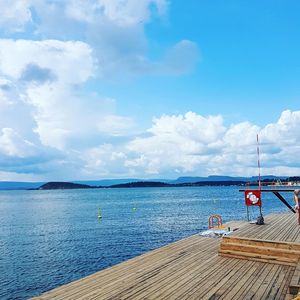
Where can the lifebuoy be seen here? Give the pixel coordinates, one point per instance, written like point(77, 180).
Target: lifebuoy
point(253, 197)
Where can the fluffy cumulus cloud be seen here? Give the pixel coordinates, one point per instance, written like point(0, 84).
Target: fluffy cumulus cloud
point(45, 117)
point(192, 144)
point(172, 136)
point(14, 15)
point(114, 29)
point(197, 145)
point(42, 77)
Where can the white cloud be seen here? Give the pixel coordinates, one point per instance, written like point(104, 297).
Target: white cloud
point(115, 125)
point(115, 30)
point(56, 56)
point(19, 176)
point(12, 144)
point(14, 14)
point(104, 161)
point(48, 103)
point(178, 142)
point(287, 126)
point(45, 115)
point(245, 130)
point(48, 75)
point(121, 12)
point(197, 145)
point(128, 12)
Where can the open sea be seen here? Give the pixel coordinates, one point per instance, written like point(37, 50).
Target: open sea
point(49, 238)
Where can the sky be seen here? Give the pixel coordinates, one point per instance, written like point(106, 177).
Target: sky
point(94, 89)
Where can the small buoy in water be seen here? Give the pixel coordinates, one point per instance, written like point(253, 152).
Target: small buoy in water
point(134, 208)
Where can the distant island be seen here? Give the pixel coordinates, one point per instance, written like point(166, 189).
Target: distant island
point(63, 186)
point(70, 185)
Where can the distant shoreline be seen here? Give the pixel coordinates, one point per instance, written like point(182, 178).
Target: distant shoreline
point(141, 184)
point(212, 180)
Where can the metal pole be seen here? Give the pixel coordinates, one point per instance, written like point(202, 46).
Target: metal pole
point(258, 162)
point(260, 211)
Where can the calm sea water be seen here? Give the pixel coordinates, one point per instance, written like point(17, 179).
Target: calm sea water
point(49, 238)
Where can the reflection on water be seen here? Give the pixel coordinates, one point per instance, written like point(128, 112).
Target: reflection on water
point(49, 238)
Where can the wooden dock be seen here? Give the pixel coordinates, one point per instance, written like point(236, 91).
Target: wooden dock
point(193, 269)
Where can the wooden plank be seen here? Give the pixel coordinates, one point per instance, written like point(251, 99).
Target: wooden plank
point(180, 284)
point(118, 284)
point(294, 286)
point(191, 268)
point(251, 287)
point(145, 272)
point(295, 233)
point(262, 231)
point(284, 234)
point(212, 285)
point(245, 282)
point(207, 280)
point(275, 285)
point(274, 231)
point(283, 290)
point(261, 285)
point(113, 274)
point(231, 282)
point(164, 274)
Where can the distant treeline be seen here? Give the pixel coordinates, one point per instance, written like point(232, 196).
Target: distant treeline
point(292, 179)
point(139, 184)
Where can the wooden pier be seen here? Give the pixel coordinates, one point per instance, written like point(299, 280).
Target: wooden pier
point(193, 268)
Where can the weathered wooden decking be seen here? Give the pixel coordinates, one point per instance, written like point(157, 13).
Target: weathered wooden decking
point(192, 269)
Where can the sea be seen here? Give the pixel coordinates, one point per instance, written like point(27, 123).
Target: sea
point(50, 238)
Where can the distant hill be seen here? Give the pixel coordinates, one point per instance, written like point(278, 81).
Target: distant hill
point(106, 182)
point(63, 186)
point(141, 184)
point(213, 183)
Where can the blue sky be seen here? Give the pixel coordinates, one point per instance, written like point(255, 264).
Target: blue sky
point(248, 61)
point(148, 88)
